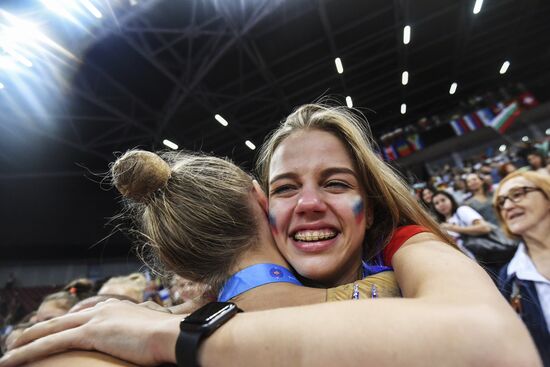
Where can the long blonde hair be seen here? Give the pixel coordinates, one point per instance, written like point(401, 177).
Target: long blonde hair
point(539, 180)
point(387, 194)
point(193, 211)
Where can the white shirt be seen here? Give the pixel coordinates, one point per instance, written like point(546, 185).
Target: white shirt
point(463, 217)
point(524, 268)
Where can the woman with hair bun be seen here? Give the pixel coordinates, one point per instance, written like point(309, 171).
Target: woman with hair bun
point(335, 209)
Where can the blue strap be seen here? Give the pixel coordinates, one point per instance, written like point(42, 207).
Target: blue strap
point(255, 276)
point(374, 269)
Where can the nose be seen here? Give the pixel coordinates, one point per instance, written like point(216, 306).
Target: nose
point(310, 200)
point(508, 203)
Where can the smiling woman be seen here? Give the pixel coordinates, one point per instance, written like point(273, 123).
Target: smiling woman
point(522, 201)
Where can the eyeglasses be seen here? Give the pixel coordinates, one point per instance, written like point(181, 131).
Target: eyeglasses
point(515, 195)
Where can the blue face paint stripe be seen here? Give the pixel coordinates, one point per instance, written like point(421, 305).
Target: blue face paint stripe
point(359, 210)
point(272, 221)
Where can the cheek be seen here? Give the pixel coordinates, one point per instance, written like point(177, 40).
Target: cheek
point(272, 222)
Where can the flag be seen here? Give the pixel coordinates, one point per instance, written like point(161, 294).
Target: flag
point(485, 115)
point(403, 148)
point(415, 142)
point(469, 121)
point(457, 127)
point(389, 153)
point(505, 118)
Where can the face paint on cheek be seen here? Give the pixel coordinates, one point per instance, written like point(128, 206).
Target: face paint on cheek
point(272, 222)
point(359, 210)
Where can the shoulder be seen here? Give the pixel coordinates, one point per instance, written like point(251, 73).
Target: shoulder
point(398, 238)
point(467, 213)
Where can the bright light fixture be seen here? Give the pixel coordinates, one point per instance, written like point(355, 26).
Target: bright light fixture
point(547, 131)
point(504, 67)
point(169, 144)
point(403, 108)
point(1, 86)
point(221, 120)
point(406, 34)
point(405, 78)
point(349, 102)
point(502, 148)
point(525, 138)
point(452, 90)
point(477, 6)
point(91, 8)
point(339, 66)
point(250, 144)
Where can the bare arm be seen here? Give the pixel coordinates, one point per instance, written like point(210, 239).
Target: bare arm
point(478, 227)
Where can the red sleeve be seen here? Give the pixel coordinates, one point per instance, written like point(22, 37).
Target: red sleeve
point(399, 237)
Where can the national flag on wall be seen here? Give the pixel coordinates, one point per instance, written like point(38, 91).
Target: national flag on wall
point(389, 153)
point(457, 127)
point(469, 120)
point(415, 142)
point(403, 148)
point(506, 118)
point(485, 115)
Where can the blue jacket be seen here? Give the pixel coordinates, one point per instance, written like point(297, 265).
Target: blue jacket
point(523, 297)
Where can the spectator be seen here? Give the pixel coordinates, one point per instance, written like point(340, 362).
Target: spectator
point(537, 162)
point(481, 197)
point(523, 205)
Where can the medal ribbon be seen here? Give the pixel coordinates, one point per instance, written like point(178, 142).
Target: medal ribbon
point(255, 276)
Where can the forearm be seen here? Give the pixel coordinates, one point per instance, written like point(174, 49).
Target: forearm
point(476, 229)
point(350, 333)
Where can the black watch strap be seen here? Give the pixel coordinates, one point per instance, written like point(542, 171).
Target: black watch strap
point(187, 347)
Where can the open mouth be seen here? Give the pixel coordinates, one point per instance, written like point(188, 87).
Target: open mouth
point(514, 216)
point(314, 236)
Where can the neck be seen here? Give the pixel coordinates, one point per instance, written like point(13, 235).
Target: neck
point(537, 242)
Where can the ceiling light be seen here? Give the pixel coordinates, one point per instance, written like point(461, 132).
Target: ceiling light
point(407, 34)
point(91, 8)
point(403, 108)
point(504, 67)
point(502, 148)
point(221, 120)
point(452, 90)
point(477, 6)
point(2, 87)
point(169, 144)
point(250, 144)
point(405, 78)
point(339, 66)
point(525, 138)
point(349, 102)
point(547, 131)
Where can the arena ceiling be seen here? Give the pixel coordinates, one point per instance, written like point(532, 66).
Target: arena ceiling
point(146, 71)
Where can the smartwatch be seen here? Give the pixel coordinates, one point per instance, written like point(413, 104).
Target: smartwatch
point(197, 326)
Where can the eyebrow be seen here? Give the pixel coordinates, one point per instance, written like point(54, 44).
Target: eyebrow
point(324, 174)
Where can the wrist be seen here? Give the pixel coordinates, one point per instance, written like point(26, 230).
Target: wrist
point(163, 339)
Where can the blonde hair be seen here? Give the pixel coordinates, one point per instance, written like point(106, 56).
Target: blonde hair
point(539, 180)
point(132, 286)
point(192, 211)
point(387, 194)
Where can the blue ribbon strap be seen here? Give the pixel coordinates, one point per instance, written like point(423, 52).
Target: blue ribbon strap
point(255, 276)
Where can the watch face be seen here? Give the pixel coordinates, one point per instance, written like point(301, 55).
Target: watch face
point(211, 313)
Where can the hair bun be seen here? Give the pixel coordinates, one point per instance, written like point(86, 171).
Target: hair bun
point(138, 173)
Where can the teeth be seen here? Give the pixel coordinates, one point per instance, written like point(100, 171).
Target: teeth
point(308, 236)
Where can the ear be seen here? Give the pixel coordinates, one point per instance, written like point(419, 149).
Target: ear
point(260, 196)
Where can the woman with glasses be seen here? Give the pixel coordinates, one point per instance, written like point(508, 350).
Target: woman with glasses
point(522, 202)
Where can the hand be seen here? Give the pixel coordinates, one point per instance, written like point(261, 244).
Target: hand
point(127, 331)
point(448, 226)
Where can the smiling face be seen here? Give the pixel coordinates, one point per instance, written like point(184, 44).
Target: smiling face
point(317, 208)
point(473, 182)
point(443, 205)
point(532, 211)
point(427, 195)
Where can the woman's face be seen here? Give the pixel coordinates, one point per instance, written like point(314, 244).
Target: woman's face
point(443, 205)
point(317, 208)
point(427, 196)
point(530, 211)
point(473, 182)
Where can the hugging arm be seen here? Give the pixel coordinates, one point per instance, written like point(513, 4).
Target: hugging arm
point(452, 315)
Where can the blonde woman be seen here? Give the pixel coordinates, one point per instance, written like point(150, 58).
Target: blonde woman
point(333, 204)
point(522, 202)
